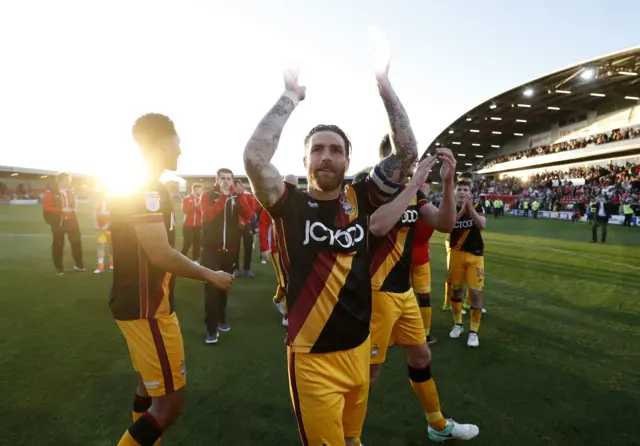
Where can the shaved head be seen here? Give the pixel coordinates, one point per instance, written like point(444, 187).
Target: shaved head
point(291, 179)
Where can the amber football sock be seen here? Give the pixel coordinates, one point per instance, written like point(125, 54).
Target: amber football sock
point(424, 301)
point(448, 294)
point(456, 310)
point(279, 296)
point(425, 388)
point(476, 316)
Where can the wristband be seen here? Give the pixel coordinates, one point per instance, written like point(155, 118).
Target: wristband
point(291, 95)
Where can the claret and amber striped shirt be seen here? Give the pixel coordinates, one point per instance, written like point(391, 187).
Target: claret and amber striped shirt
point(140, 290)
point(391, 254)
point(323, 247)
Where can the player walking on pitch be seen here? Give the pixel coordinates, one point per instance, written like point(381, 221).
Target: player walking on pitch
point(396, 317)
point(466, 260)
point(322, 235)
point(145, 264)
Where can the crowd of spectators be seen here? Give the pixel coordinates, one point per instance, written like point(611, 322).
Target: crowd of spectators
point(19, 192)
point(576, 143)
point(555, 190)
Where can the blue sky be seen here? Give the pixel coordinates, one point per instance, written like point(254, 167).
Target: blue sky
point(75, 74)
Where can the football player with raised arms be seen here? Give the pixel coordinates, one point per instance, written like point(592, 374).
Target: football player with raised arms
point(396, 316)
point(448, 290)
point(322, 239)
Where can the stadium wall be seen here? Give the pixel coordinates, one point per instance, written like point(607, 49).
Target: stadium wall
point(565, 215)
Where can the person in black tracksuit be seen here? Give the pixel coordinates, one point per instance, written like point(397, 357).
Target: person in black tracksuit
point(222, 210)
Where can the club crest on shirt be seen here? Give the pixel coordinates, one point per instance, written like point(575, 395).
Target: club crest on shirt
point(348, 208)
point(374, 351)
point(152, 201)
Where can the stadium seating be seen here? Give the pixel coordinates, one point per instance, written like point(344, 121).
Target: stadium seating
point(572, 144)
point(561, 189)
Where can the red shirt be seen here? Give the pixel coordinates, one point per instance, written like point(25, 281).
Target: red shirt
point(191, 211)
point(422, 234)
point(251, 203)
point(54, 201)
point(267, 234)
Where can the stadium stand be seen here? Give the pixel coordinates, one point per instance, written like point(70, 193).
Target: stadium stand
point(562, 189)
point(20, 183)
point(560, 139)
point(581, 112)
point(573, 144)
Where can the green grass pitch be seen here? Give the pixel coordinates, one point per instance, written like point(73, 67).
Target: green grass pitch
point(559, 361)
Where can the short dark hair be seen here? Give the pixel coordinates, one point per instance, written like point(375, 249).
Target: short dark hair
point(465, 176)
point(385, 146)
point(330, 128)
point(224, 170)
point(62, 175)
point(464, 182)
point(194, 185)
point(150, 128)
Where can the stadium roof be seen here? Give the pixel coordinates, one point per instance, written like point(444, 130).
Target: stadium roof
point(604, 83)
point(23, 170)
point(6, 171)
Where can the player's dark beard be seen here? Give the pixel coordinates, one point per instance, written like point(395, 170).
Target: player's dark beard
point(319, 181)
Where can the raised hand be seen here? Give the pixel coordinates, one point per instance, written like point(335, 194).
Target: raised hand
point(468, 201)
point(422, 171)
point(291, 82)
point(239, 188)
point(448, 168)
point(382, 56)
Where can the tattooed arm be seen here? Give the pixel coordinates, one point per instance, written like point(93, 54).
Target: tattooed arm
point(404, 148)
point(266, 181)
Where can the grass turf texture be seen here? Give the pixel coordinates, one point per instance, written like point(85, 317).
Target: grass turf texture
point(558, 362)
